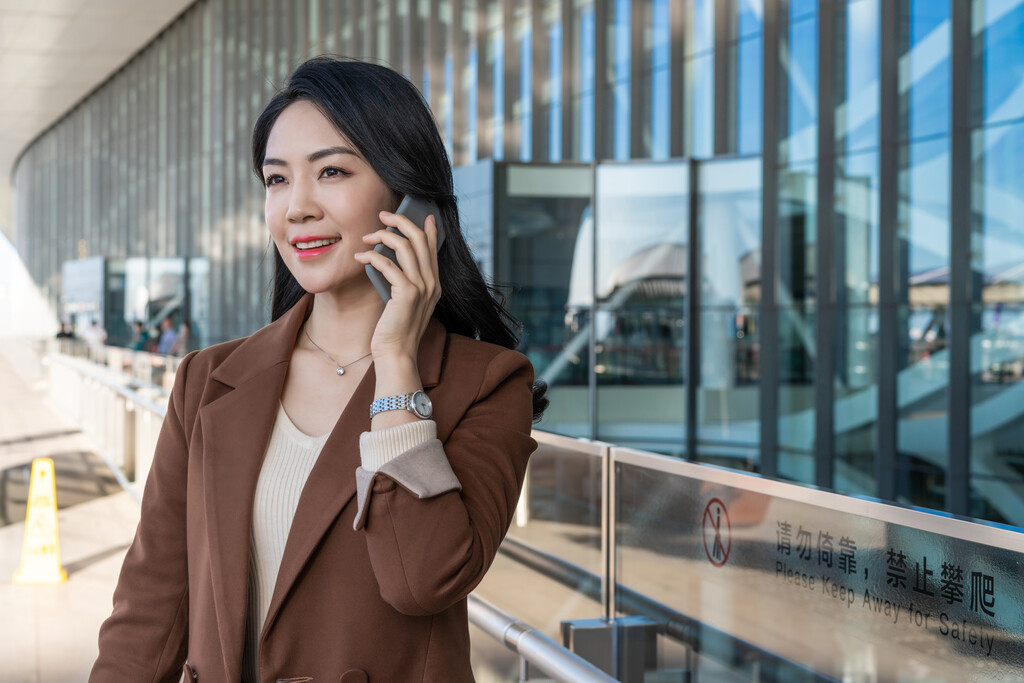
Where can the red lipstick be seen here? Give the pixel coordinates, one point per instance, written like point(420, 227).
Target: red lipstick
point(322, 244)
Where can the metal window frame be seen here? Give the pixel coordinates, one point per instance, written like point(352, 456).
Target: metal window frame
point(677, 77)
point(889, 238)
point(824, 393)
point(769, 333)
point(962, 293)
point(638, 22)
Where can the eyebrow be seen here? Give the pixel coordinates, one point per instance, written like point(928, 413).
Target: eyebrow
point(315, 156)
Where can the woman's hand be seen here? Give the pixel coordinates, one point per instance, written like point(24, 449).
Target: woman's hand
point(415, 287)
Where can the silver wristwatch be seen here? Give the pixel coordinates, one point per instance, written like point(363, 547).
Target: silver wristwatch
point(417, 403)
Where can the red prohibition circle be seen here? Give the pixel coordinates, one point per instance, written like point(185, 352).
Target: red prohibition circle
point(716, 523)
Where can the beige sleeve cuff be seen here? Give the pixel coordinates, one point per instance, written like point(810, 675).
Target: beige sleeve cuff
point(377, 448)
point(424, 471)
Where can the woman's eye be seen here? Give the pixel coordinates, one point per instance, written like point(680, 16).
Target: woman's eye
point(273, 180)
point(333, 172)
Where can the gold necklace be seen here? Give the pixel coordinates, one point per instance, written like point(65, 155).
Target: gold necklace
point(340, 370)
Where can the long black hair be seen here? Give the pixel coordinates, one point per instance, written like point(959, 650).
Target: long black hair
point(390, 124)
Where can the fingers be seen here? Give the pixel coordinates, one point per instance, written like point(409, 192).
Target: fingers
point(424, 242)
point(415, 249)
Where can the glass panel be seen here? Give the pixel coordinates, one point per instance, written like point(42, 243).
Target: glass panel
point(620, 62)
point(467, 99)
point(750, 17)
point(997, 344)
point(700, 27)
point(924, 69)
point(999, 63)
point(855, 238)
point(728, 413)
point(998, 188)
point(559, 514)
point(583, 82)
point(801, 8)
point(660, 81)
point(749, 95)
point(795, 404)
point(798, 77)
point(523, 109)
point(922, 393)
point(643, 213)
point(923, 272)
point(857, 86)
point(674, 584)
point(553, 22)
point(796, 294)
point(699, 105)
point(797, 236)
point(496, 62)
point(997, 413)
point(990, 496)
point(545, 227)
point(560, 507)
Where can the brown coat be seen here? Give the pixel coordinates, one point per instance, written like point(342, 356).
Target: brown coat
point(385, 603)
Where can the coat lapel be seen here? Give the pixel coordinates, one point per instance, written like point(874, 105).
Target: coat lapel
point(236, 428)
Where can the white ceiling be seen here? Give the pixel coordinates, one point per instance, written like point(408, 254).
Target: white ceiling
point(52, 54)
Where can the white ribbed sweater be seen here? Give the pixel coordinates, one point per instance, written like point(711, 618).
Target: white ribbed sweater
point(289, 459)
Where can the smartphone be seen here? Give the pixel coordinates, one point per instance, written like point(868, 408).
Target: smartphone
point(416, 210)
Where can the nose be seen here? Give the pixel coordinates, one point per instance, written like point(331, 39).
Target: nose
point(302, 204)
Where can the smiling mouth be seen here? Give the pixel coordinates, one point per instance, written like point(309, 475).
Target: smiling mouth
point(316, 244)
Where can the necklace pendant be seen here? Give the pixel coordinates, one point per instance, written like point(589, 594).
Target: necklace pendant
point(340, 370)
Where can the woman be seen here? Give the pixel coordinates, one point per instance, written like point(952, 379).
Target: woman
point(286, 534)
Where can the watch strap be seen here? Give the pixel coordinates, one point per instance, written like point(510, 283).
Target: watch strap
point(386, 403)
point(413, 402)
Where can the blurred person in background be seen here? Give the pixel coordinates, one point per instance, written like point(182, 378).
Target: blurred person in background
point(168, 336)
point(139, 336)
point(183, 341)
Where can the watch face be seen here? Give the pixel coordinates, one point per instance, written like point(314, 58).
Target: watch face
point(421, 404)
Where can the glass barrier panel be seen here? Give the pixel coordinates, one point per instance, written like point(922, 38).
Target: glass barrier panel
point(550, 566)
point(759, 575)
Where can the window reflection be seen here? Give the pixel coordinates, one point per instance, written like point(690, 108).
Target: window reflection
point(699, 79)
point(855, 350)
point(642, 214)
point(545, 227)
point(857, 97)
point(728, 410)
point(997, 275)
point(923, 267)
point(1000, 27)
point(798, 73)
point(583, 80)
point(796, 297)
point(924, 68)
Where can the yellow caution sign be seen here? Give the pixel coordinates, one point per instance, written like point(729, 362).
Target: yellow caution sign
point(40, 552)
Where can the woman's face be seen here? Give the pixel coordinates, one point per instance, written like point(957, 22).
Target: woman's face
point(321, 198)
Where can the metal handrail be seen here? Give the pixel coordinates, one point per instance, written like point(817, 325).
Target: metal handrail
point(535, 647)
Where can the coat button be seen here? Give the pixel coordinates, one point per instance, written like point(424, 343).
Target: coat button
point(354, 676)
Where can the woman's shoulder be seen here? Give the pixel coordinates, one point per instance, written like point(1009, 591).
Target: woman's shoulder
point(465, 356)
point(212, 356)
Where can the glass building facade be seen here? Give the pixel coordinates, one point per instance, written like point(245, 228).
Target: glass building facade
point(782, 236)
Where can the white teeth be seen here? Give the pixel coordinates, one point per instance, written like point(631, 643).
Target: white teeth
point(315, 243)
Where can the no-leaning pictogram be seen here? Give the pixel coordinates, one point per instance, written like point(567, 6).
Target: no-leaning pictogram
point(717, 532)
